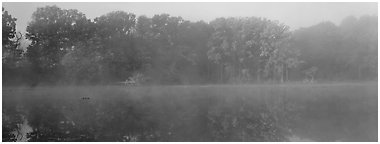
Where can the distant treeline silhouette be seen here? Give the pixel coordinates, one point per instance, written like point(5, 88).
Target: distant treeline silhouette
point(68, 48)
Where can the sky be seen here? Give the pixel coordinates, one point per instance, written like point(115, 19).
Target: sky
point(295, 15)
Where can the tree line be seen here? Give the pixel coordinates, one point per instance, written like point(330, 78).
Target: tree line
point(68, 48)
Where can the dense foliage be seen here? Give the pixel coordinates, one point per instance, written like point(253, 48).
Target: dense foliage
point(68, 48)
point(348, 51)
point(12, 55)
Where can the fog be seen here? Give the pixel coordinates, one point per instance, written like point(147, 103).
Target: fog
point(197, 72)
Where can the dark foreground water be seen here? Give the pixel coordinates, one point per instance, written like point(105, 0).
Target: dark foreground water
point(297, 112)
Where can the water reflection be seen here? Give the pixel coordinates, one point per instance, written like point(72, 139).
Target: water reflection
point(203, 115)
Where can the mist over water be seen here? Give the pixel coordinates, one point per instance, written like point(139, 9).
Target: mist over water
point(126, 77)
point(344, 112)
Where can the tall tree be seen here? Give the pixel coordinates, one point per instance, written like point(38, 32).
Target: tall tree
point(84, 64)
point(12, 53)
point(53, 31)
point(9, 29)
point(165, 39)
point(344, 52)
point(360, 42)
point(116, 33)
point(244, 47)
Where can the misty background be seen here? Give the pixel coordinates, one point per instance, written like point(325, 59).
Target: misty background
point(189, 72)
point(188, 43)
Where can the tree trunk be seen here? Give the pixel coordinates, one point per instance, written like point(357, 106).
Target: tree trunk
point(282, 73)
point(258, 75)
point(208, 71)
point(221, 73)
point(287, 73)
point(359, 72)
point(273, 74)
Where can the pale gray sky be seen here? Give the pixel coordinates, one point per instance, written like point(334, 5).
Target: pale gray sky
point(295, 15)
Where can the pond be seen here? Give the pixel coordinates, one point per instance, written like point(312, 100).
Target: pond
point(344, 112)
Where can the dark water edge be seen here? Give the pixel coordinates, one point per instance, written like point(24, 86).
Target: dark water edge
point(292, 112)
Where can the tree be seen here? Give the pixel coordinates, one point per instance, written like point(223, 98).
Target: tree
point(9, 28)
point(12, 54)
point(195, 66)
point(344, 52)
point(281, 56)
point(319, 46)
point(219, 44)
point(53, 31)
point(116, 32)
point(144, 42)
point(360, 41)
point(84, 63)
point(168, 48)
point(252, 46)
